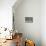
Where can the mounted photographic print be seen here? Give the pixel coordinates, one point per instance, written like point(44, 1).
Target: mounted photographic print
point(28, 19)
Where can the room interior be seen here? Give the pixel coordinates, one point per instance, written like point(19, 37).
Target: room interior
point(22, 23)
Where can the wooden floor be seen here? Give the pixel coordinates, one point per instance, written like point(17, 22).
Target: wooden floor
point(9, 43)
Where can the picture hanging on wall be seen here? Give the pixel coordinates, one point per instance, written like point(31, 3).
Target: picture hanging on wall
point(28, 19)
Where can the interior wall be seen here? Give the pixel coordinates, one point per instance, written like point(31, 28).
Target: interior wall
point(29, 8)
point(6, 13)
point(43, 22)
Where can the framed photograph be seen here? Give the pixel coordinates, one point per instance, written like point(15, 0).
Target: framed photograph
point(28, 19)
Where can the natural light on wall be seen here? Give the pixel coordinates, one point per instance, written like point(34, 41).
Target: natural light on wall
point(6, 13)
point(6, 18)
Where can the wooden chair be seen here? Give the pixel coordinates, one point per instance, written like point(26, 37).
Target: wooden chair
point(18, 39)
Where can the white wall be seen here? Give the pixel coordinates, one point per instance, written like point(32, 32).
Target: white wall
point(43, 22)
point(29, 8)
point(6, 13)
